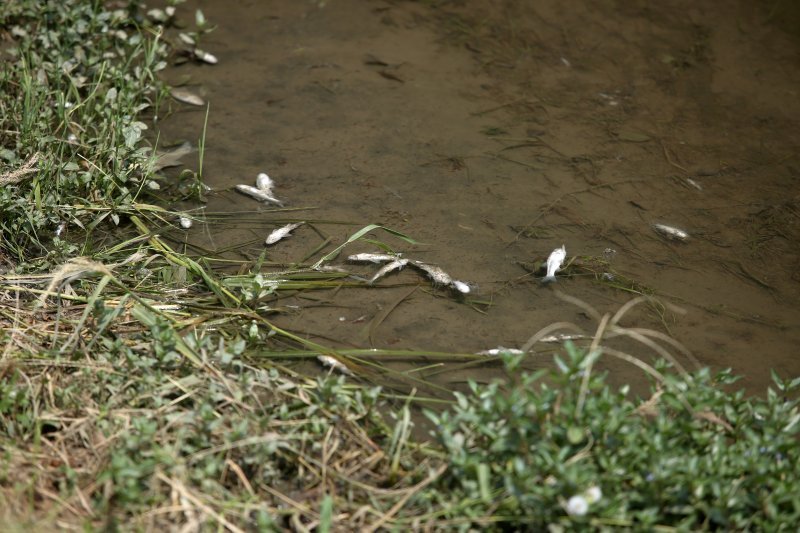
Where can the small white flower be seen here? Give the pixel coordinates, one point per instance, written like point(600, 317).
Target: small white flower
point(593, 494)
point(577, 506)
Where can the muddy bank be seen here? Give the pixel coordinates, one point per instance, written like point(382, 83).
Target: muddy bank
point(493, 133)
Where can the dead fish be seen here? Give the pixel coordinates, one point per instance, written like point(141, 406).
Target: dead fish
point(282, 232)
point(186, 38)
point(265, 183)
point(670, 232)
point(186, 96)
point(554, 263)
point(562, 337)
point(372, 258)
point(461, 287)
point(334, 363)
point(500, 350)
point(434, 272)
point(258, 194)
point(694, 184)
point(205, 57)
point(397, 264)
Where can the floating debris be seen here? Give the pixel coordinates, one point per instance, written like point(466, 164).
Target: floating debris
point(258, 194)
point(501, 350)
point(185, 222)
point(282, 232)
point(554, 263)
point(205, 57)
point(186, 96)
point(672, 233)
point(397, 264)
point(167, 307)
point(373, 258)
point(171, 158)
point(334, 363)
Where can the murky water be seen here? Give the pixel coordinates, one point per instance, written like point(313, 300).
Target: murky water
point(493, 132)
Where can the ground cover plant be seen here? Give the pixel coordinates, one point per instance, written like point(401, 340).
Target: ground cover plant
point(140, 388)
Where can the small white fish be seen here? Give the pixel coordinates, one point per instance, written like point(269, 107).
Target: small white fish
point(282, 232)
point(186, 96)
point(258, 194)
point(434, 272)
point(265, 183)
point(694, 184)
point(562, 337)
point(334, 363)
point(500, 350)
point(397, 264)
point(672, 233)
point(186, 38)
point(205, 57)
point(185, 222)
point(461, 287)
point(554, 263)
point(372, 258)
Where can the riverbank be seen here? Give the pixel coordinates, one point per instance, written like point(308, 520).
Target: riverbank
point(145, 384)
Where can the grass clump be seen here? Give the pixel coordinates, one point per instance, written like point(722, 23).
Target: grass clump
point(694, 456)
point(75, 81)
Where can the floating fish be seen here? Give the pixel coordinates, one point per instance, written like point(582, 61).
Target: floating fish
point(282, 232)
point(694, 184)
point(434, 272)
point(372, 258)
point(186, 96)
point(265, 183)
point(397, 264)
point(258, 194)
point(672, 233)
point(561, 337)
point(461, 287)
point(186, 38)
point(334, 363)
point(501, 350)
point(554, 263)
point(205, 57)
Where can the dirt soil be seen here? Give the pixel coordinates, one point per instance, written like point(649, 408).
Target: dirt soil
point(496, 131)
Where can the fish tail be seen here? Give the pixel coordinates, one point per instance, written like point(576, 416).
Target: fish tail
point(548, 279)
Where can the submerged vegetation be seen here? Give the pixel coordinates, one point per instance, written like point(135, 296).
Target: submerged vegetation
point(141, 388)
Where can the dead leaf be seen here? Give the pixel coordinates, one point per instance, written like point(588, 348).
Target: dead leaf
point(171, 158)
point(390, 76)
point(632, 136)
point(370, 59)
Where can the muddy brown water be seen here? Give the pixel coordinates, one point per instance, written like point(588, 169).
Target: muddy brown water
point(493, 132)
